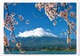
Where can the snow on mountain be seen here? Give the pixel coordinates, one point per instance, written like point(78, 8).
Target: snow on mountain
point(38, 32)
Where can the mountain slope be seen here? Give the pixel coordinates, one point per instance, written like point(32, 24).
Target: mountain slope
point(43, 42)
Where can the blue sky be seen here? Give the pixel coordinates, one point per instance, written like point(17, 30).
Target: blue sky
point(29, 12)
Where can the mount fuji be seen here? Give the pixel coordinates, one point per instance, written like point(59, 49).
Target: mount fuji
point(40, 37)
point(38, 32)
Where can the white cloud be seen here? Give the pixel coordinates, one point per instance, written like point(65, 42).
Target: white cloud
point(38, 32)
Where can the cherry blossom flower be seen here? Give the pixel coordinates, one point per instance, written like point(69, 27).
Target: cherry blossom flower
point(51, 5)
point(39, 6)
point(18, 45)
point(27, 22)
point(63, 4)
point(12, 14)
point(55, 22)
point(11, 34)
point(9, 20)
point(72, 24)
point(51, 14)
point(47, 8)
point(68, 40)
point(20, 17)
point(69, 7)
point(15, 23)
point(13, 40)
point(69, 31)
point(11, 27)
point(64, 14)
point(6, 41)
point(73, 14)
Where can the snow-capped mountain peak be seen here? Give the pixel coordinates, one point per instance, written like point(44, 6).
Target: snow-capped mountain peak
point(38, 32)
